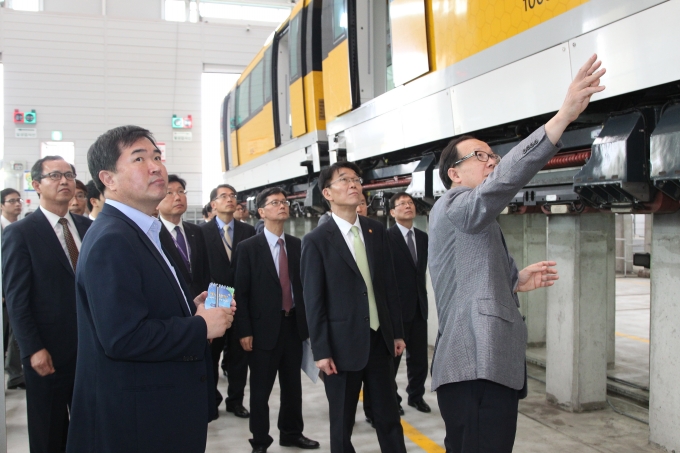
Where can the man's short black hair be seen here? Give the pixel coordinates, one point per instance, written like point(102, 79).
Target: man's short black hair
point(105, 151)
point(207, 209)
point(80, 185)
point(175, 178)
point(92, 192)
point(261, 199)
point(7, 191)
point(326, 175)
point(449, 157)
point(397, 196)
point(37, 169)
point(213, 193)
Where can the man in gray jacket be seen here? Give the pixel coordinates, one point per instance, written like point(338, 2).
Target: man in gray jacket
point(479, 369)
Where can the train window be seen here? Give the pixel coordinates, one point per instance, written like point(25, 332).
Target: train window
point(267, 74)
point(242, 94)
point(339, 19)
point(257, 88)
point(294, 47)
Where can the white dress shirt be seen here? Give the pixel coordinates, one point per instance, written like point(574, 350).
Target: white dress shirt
point(404, 232)
point(171, 228)
point(346, 230)
point(59, 230)
point(4, 221)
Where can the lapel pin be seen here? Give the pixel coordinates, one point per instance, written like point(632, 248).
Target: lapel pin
point(370, 231)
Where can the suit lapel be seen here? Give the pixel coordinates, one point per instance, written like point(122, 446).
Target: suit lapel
point(171, 251)
point(156, 254)
point(401, 244)
point(421, 249)
point(269, 259)
point(293, 259)
point(49, 237)
point(338, 242)
point(369, 242)
point(81, 226)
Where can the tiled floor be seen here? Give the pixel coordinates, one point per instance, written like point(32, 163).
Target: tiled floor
point(541, 427)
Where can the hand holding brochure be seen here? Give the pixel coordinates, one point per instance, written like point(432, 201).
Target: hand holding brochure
point(219, 296)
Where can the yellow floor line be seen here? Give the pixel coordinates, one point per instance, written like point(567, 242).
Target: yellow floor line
point(632, 337)
point(418, 438)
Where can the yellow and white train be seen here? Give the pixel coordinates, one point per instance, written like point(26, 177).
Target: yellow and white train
point(386, 84)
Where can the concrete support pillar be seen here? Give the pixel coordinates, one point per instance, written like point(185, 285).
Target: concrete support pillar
point(664, 364)
point(577, 334)
point(525, 236)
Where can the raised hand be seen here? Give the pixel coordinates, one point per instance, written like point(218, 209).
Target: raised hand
point(537, 275)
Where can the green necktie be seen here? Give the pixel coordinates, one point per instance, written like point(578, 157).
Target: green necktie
point(362, 263)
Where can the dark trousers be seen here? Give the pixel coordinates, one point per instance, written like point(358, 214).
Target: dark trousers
point(480, 416)
point(415, 337)
point(48, 400)
point(12, 355)
point(237, 367)
point(285, 358)
point(342, 391)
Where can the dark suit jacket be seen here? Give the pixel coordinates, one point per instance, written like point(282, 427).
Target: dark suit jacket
point(335, 294)
point(258, 292)
point(410, 278)
point(144, 374)
point(39, 285)
point(221, 269)
point(199, 277)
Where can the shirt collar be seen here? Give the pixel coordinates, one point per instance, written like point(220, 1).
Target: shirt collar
point(171, 226)
point(273, 239)
point(344, 225)
point(54, 218)
point(143, 221)
point(404, 230)
point(221, 224)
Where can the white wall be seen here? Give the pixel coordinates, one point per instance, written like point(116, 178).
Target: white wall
point(87, 73)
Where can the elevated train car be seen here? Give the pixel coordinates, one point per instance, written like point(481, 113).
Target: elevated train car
point(387, 84)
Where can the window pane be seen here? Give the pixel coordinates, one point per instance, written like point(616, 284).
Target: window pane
point(268, 74)
point(242, 12)
point(26, 5)
point(294, 45)
point(175, 10)
point(339, 18)
point(256, 88)
point(242, 94)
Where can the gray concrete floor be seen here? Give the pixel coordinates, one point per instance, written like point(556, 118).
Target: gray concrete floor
point(541, 427)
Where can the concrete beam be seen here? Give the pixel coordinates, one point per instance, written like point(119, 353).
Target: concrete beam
point(576, 350)
point(664, 361)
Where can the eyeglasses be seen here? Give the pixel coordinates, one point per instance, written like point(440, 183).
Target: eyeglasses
point(404, 203)
point(57, 175)
point(179, 192)
point(345, 181)
point(277, 203)
point(14, 200)
point(481, 156)
point(80, 196)
point(225, 196)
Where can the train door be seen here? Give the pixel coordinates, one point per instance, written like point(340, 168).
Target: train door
point(296, 52)
point(409, 51)
point(283, 120)
point(229, 151)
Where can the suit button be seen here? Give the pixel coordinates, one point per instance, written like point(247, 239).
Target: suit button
point(366, 319)
point(365, 294)
point(204, 378)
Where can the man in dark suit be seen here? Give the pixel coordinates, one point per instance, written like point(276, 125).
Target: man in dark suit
point(353, 311)
point(222, 235)
point(144, 374)
point(183, 240)
point(39, 255)
point(409, 250)
point(271, 323)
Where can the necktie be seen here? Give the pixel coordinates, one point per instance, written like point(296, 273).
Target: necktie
point(70, 242)
point(411, 246)
point(284, 278)
point(362, 263)
point(227, 240)
point(182, 247)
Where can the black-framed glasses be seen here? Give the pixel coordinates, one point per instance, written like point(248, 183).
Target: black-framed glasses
point(57, 175)
point(277, 203)
point(80, 196)
point(345, 181)
point(14, 200)
point(405, 203)
point(225, 196)
point(481, 156)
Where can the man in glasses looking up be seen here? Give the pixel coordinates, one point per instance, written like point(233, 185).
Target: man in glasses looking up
point(479, 365)
point(222, 235)
point(353, 311)
point(78, 204)
point(39, 256)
